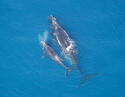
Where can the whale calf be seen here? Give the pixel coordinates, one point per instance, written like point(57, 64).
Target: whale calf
point(66, 46)
point(53, 56)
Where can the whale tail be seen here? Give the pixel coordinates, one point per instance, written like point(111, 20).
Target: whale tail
point(85, 77)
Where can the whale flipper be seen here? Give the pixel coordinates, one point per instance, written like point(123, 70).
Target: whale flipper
point(43, 54)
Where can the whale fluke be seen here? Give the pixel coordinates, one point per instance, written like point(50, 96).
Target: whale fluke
point(85, 77)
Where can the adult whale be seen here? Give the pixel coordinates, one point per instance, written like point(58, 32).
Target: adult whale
point(63, 41)
point(53, 56)
point(66, 46)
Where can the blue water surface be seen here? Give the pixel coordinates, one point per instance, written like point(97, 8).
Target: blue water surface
point(97, 27)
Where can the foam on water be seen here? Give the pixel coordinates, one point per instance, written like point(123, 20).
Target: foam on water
point(43, 37)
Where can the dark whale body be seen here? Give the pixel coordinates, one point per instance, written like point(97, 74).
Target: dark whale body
point(66, 46)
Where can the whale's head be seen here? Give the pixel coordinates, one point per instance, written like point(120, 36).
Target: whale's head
point(42, 43)
point(51, 18)
point(52, 22)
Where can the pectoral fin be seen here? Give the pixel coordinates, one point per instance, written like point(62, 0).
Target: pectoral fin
point(43, 54)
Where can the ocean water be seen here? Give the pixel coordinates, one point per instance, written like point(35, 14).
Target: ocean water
point(96, 26)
